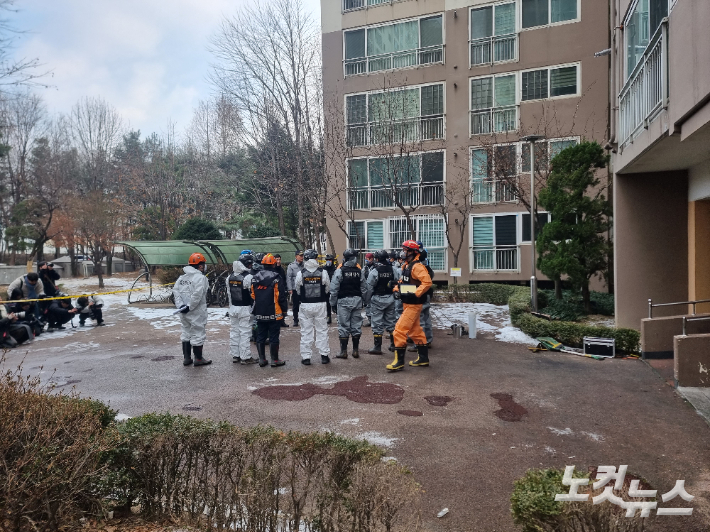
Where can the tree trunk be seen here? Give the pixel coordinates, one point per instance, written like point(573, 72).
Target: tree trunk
point(72, 261)
point(98, 252)
point(109, 265)
point(558, 288)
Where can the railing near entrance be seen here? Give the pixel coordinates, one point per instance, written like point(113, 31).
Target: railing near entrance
point(686, 319)
point(646, 91)
point(652, 305)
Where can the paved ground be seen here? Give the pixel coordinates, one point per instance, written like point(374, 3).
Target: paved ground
point(466, 454)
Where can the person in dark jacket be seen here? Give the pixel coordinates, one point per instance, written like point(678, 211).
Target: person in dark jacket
point(60, 312)
point(49, 278)
point(330, 266)
point(270, 305)
point(347, 289)
point(282, 274)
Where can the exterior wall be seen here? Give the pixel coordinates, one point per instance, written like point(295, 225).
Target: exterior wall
point(581, 117)
point(692, 360)
point(699, 253)
point(650, 244)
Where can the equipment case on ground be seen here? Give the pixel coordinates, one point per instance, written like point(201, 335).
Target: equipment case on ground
point(603, 347)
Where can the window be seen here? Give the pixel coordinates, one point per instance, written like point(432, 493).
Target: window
point(639, 28)
point(412, 180)
point(395, 116)
point(495, 242)
point(549, 82)
point(391, 46)
point(493, 34)
point(493, 105)
point(429, 229)
point(366, 235)
point(542, 12)
point(542, 219)
point(493, 172)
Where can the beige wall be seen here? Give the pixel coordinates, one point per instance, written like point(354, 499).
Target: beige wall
point(650, 243)
point(699, 253)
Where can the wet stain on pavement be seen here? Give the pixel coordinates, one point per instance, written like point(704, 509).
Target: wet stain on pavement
point(358, 390)
point(69, 383)
point(190, 408)
point(438, 400)
point(163, 358)
point(413, 413)
point(509, 409)
point(137, 356)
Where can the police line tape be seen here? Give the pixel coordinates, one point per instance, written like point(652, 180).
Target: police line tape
point(83, 295)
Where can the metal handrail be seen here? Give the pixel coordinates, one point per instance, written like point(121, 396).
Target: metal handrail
point(687, 319)
point(652, 305)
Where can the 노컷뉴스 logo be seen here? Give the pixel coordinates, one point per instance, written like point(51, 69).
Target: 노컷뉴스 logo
point(606, 474)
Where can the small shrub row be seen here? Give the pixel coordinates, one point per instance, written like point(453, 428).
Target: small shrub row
point(495, 294)
point(571, 306)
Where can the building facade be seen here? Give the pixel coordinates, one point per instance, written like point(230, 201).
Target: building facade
point(426, 102)
point(660, 86)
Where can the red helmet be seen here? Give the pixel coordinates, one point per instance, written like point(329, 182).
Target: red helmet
point(410, 244)
point(196, 258)
point(268, 259)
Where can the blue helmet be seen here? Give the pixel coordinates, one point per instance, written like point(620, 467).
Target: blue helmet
point(246, 252)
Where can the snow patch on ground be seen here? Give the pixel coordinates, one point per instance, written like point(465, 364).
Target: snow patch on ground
point(594, 437)
point(489, 318)
point(122, 417)
point(561, 432)
point(353, 421)
point(377, 438)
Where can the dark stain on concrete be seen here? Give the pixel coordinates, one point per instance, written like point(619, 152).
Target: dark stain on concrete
point(509, 409)
point(137, 356)
point(413, 413)
point(69, 383)
point(358, 390)
point(163, 358)
point(191, 408)
point(438, 400)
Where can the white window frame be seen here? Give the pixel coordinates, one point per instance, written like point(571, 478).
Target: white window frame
point(624, 43)
point(417, 50)
point(369, 187)
point(516, 32)
point(521, 225)
point(518, 236)
point(549, 69)
point(549, 14)
point(389, 91)
point(516, 105)
point(367, 6)
point(366, 221)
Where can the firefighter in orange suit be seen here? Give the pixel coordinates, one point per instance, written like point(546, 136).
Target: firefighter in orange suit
point(270, 304)
point(413, 286)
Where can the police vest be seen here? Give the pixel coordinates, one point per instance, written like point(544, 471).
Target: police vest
point(266, 305)
point(313, 290)
point(385, 276)
point(350, 284)
point(240, 296)
point(412, 299)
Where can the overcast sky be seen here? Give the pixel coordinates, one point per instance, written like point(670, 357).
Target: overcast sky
point(148, 58)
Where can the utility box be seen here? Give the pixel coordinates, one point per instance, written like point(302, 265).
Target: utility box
point(603, 347)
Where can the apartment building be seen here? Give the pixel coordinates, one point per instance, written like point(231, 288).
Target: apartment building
point(660, 86)
point(427, 102)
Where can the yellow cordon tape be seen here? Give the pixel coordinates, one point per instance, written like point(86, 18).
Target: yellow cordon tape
point(83, 295)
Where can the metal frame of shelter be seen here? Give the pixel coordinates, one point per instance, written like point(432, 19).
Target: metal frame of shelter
point(217, 252)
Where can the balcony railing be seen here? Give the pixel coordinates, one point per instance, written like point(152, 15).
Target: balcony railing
point(493, 191)
point(350, 5)
point(496, 258)
point(646, 91)
point(396, 132)
point(494, 49)
point(367, 198)
point(494, 120)
point(408, 58)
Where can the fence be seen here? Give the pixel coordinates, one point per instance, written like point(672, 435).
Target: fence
point(425, 194)
point(494, 49)
point(497, 119)
point(395, 60)
point(396, 132)
point(495, 258)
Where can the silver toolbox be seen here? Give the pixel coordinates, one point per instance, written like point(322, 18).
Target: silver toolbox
point(603, 347)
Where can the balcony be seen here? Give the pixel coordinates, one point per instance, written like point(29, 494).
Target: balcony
point(645, 93)
point(352, 5)
point(395, 60)
point(396, 132)
point(494, 50)
point(494, 120)
point(422, 195)
point(495, 258)
point(493, 191)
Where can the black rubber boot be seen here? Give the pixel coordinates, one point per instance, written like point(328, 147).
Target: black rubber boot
point(356, 347)
point(186, 354)
point(199, 361)
point(423, 358)
point(324, 359)
point(377, 349)
point(343, 348)
point(391, 346)
point(274, 350)
point(329, 320)
point(398, 363)
point(261, 350)
point(306, 361)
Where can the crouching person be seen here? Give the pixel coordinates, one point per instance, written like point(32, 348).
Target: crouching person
point(60, 312)
point(13, 332)
point(91, 308)
point(26, 318)
point(312, 285)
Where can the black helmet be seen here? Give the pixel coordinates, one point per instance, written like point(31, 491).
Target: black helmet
point(402, 255)
point(247, 260)
point(348, 254)
point(381, 255)
point(259, 257)
point(310, 254)
point(329, 257)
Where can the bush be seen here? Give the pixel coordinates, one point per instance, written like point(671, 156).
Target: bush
point(197, 229)
point(571, 306)
point(168, 275)
point(493, 293)
point(52, 446)
point(534, 507)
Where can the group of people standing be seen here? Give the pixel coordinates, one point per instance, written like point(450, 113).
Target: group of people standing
point(395, 289)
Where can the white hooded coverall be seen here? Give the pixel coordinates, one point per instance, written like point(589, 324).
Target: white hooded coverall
point(313, 315)
point(191, 289)
point(239, 317)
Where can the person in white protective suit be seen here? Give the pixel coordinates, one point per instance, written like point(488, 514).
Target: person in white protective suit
point(312, 285)
point(240, 303)
point(190, 293)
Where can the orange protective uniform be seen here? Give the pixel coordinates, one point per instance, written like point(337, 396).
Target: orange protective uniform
point(408, 323)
